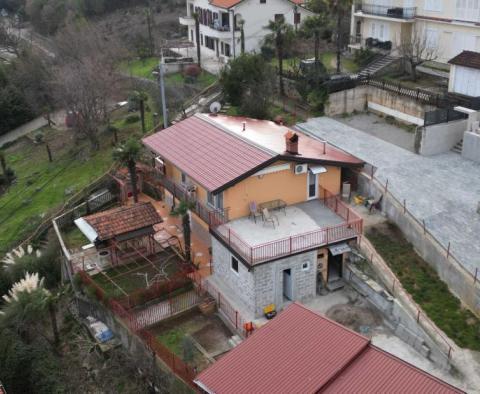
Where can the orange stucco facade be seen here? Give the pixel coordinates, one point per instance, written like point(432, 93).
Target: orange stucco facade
point(283, 184)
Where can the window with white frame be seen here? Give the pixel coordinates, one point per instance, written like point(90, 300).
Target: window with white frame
point(234, 265)
point(380, 31)
point(431, 39)
point(306, 265)
point(434, 5)
point(467, 10)
point(215, 200)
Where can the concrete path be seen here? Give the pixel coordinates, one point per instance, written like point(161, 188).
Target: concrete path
point(58, 118)
point(443, 190)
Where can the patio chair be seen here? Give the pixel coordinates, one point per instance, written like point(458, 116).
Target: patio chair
point(269, 218)
point(254, 211)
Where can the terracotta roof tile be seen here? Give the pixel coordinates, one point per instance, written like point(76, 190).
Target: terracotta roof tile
point(300, 351)
point(117, 221)
point(467, 59)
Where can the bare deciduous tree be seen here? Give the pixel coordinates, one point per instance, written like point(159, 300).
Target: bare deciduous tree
point(86, 77)
point(10, 39)
point(416, 49)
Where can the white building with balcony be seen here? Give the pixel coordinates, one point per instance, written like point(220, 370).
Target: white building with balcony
point(220, 22)
point(451, 26)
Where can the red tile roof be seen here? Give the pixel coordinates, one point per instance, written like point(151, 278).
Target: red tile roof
point(206, 153)
point(122, 220)
point(467, 59)
point(300, 351)
point(215, 152)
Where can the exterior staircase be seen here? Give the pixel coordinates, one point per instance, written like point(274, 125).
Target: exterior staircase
point(458, 148)
point(376, 66)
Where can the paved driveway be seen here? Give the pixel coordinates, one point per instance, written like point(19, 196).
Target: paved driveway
point(443, 190)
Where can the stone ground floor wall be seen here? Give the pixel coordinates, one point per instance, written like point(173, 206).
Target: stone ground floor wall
point(459, 282)
point(263, 284)
point(269, 280)
point(440, 138)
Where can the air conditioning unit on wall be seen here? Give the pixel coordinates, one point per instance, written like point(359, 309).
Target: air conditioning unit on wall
point(300, 168)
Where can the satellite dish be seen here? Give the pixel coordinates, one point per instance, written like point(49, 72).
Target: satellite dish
point(215, 107)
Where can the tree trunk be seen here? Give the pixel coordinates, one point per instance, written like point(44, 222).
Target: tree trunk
point(3, 164)
point(414, 72)
point(280, 68)
point(339, 42)
point(133, 179)
point(242, 40)
point(142, 114)
point(197, 39)
point(53, 319)
point(49, 153)
point(317, 48)
point(115, 136)
point(187, 236)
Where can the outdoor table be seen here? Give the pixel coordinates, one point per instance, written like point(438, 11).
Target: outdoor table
point(273, 205)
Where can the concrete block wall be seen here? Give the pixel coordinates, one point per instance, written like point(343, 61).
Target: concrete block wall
point(358, 99)
point(241, 284)
point(440, 138)
point(402, 324)
point(269, 280)
point(459, 282)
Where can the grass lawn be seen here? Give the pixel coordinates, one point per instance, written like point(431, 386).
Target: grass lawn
point(141, 68)
point(426, 288)
point(42, 187)
point(329, 60)
point(74, 238)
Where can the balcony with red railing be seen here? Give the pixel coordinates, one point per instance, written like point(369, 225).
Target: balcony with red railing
point(298, 228)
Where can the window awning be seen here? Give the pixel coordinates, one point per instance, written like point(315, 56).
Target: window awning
point(86, 229)
point(337, 249)
point(317, 170)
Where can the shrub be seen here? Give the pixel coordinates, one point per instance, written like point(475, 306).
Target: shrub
point(364, 56)
point(192, 70)
point(39, 137)
point(132, 119)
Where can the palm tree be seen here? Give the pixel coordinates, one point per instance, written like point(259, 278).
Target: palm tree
point(182, 210)
point(282, 36)
point(314, 26)
point(338, 9)
point(141, 97)
point(25, 306)
point(128, 154)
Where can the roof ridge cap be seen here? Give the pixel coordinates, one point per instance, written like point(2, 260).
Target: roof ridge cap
point(206, 119)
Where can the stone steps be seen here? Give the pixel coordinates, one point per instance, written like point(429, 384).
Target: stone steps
point(458, 148)
point(335, 285)
point(376, 66)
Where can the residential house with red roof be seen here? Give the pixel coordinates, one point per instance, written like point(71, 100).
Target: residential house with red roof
point(265, 200)
point(300, 351)
point(221, 20)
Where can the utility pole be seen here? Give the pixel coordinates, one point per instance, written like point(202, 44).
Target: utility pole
point(233, 33)
point(162, 92)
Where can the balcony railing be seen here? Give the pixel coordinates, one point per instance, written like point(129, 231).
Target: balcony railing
point(298, 243)
point(387, 11)
point(207, 214)
point(219, 27)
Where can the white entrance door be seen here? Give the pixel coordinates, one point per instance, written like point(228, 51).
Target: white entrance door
point(287, 284)
point(312, 186)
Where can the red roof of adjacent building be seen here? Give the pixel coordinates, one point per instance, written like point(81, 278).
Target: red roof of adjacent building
point(300, 351)
point(122, 220)
point(216, 153)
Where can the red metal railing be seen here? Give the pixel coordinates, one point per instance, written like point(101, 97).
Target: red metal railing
point(352, 228)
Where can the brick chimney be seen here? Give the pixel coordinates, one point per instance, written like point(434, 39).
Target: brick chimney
point(291, 142)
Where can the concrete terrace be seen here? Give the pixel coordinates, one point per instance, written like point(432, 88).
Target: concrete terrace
point(443, 190)
point(297, 219)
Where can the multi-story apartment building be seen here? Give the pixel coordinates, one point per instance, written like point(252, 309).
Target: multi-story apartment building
point(220, 22)
point(265, 199)
point(450, 26)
